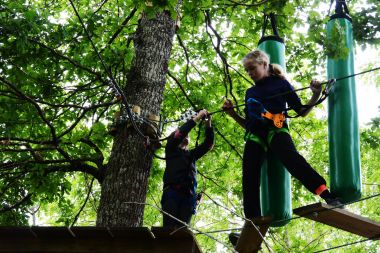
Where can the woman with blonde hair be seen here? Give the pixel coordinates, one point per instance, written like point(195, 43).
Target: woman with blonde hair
point(266, 128)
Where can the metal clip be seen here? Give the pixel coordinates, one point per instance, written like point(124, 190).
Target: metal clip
point(329, 85)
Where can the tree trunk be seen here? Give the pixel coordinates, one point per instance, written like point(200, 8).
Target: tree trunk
point(128, 169)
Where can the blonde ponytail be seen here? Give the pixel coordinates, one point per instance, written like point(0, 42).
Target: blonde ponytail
point(277, 71)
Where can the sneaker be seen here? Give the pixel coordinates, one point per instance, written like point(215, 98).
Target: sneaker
point(233, 237)
point(336, 202)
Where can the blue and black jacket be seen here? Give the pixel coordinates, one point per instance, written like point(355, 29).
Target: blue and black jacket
point(263, 89)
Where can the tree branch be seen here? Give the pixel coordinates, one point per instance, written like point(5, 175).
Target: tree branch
point(84, 204)
point(34, 103)
point(186, 55)
point(118, 31)
point(60, 55)
point(97, 150)
point(183, 90)
point(17, 204)
point(80, 167)
point(220, 54)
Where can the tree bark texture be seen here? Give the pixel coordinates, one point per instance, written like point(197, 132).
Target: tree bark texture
point(128, 170)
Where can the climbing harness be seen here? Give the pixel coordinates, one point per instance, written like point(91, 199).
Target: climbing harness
point(253, 137)
point(277, 118)
point(265, 143)
point(256, 111)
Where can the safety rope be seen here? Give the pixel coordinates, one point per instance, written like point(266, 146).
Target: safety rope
point(300, 217)
point(348, 244)
point(326, 91)
point(185, 225)
point(118, 91)
point(303, 88)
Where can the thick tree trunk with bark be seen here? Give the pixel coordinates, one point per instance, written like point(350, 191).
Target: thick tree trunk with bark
point(129, 166)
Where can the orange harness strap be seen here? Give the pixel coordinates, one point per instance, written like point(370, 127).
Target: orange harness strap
point(320, 189)
point(278, 118)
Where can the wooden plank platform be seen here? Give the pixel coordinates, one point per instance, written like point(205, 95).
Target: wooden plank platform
point(184, 237)
point(341, 218)
point(251, 237)
point(96, 240)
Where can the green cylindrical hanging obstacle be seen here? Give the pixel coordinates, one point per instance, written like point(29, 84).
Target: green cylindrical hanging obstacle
point(275, 179)
point(344, 147)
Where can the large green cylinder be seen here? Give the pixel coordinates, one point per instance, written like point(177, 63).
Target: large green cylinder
point(275, 179)
point(344, 148)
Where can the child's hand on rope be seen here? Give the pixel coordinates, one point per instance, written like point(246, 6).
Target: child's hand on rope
point(316, 86)
point(208, 121)
point(201, 114)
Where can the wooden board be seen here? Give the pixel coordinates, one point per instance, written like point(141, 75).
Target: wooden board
point(340, 218)
point(172, 235)
point(95, 240)
point(252, 236)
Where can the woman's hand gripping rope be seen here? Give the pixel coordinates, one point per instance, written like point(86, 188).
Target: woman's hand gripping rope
point(316, 87)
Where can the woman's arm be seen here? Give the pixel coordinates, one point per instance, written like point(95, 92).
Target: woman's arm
point(228, 107)
point(208, 142)
point(316, 88)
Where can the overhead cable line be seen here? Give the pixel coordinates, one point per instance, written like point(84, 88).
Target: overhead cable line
point(185, 225)
point(348, 244)
point(303, 88)
point(331, 81)
point(325, 94)
point(114, 86)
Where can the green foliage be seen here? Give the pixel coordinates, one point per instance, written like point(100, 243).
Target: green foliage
point(366, 23)
point(336, 46)
point(14, 218)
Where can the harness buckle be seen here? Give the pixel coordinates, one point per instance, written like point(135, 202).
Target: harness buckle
point(277, 118)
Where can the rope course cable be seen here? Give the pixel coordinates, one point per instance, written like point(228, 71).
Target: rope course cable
point(328, 84)
point(117, 90)
point(185, 225)
point(299, 217)
point(245, 219)
point(114, 86)
point(348, 244)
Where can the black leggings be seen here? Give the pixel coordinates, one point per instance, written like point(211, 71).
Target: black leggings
point(283, 148)
point(179, 205)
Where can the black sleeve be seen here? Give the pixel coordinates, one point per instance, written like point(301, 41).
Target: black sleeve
point(292, 98)
point(177, 137)
point(206, 146)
